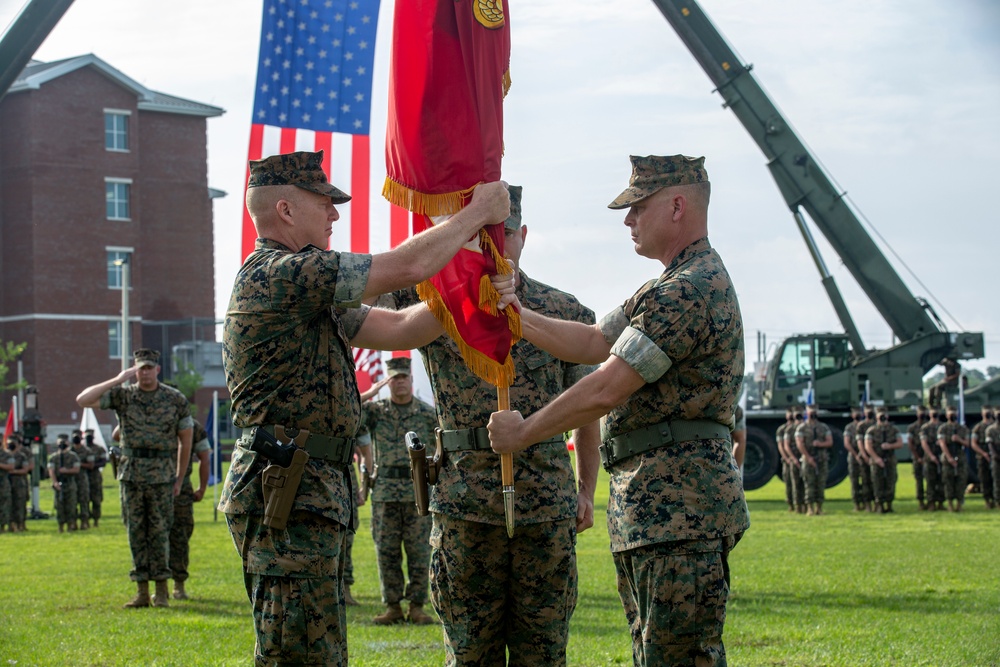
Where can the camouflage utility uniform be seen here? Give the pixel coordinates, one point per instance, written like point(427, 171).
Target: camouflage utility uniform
point(183, 524)
point(491, 591)
point(993, 444)
point(814, 477)
point(7, 461)
point(395, 521)
point(20, 484)
point(675, 512)
point(954, 477)
point(83, 482)
point(151, 422)
point(854, 464)
point(917, 454)
point(864, 467)
point(983, 471)
point(932, 471)
point(67, 496)
point(786, 474)
point(96, 479)
point(288, 360)
point(883, 477)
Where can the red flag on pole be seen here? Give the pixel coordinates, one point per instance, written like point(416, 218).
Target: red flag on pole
point(449, 73)
point(11, 426)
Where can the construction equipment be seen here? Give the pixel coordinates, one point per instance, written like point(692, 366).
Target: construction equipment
point(837, 369)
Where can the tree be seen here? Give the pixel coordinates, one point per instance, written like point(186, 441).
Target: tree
point(188, 381)
point(9, 352)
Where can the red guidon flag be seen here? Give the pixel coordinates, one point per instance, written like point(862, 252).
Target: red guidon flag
point(449, 73)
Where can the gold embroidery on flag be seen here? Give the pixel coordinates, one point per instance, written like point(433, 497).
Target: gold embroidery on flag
point(489, 13)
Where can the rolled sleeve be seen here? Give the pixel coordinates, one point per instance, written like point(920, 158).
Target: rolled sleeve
point(352, 319)
point(613, 324)
point(352, 279)
point(642, 354)
point(185, 423)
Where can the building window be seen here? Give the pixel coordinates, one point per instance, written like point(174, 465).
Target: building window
point(117, 191)
point(115, 258)
point(115, 340)
point(116, 130)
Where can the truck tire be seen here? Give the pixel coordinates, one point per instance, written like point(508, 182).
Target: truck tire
point(837, 470)
point(761, 461)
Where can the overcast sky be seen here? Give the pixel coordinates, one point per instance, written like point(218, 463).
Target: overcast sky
point(898, 99)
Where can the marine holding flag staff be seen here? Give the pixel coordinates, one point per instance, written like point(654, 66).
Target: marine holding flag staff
point(294, 313)
point(669, 382)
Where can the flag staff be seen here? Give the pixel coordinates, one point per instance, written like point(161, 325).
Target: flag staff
point(506, 468)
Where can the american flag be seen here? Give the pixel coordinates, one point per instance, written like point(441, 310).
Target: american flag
point(314, 91)
point(368, 364)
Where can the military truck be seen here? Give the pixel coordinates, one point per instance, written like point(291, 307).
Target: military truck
point(836, 370)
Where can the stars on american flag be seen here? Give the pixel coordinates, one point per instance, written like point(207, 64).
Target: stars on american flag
point(316, 63)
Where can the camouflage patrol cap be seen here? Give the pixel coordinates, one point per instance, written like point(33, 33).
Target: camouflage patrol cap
point(398, 366)
point(302, 169)
point(514, 220)
point(655, 172)
point(146, 357)
point(62, 437)
point(77, 431)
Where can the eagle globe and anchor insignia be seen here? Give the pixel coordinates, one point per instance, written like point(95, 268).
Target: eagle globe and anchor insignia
point(489, 13)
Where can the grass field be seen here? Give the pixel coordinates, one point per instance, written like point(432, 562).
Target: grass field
point(909, 588)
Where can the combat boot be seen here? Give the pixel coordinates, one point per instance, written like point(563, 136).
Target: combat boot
point(348, 598)
point(392, 614)
point(162, 596)
point(62, 527)
point(96, 521)
point(417, 615)
point(179, 592)
point(141, 596)
point(84, 525)
point(72, 526)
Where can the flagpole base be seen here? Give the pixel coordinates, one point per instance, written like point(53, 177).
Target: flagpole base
point(508, 509)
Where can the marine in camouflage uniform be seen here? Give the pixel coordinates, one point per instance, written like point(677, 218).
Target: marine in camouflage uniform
point(978, 444)
point(932, 460)
point(917, 454)
point(882, 441)
point(156, 427)
point(953, 438)
point(96, 477)
point(993, 444)
point(854, 462)
point(795, 470)
point(865, 472)
point(20, 486)
point(64, 471)
point(494, 594)
point(672, 380)
point(287, 354)
point(787, 460)
point(82, 479)
point(182, 526)
point(814, 440)
point(6, 465)
point(395, 522)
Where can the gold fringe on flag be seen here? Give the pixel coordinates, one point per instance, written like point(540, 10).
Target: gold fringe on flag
point(447, 203)
point(506, 82)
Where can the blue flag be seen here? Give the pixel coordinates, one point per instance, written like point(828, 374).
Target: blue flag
point(215, 476)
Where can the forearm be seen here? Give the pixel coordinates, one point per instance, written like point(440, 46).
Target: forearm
point(800, 444)
point(405, 329)
point(91, 396)
point(183, 451)
point(570, 341)
point(586, 441)
point(204, 468)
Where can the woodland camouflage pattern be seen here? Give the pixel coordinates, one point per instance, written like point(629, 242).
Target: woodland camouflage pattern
point(395, 521)
point(813, 478)
point(690, 490)
point(183, 524)
point(288, 361)
point(993, 442)
point(932, 471)
point(149, 420)
point(492, 592)
point(983, 465)
point(954, 478)
point(883, 479)
point(917, 452)
point(67, 497)
point(469, 483)
point(302, 169)
point(864, 470)
point(82, 481)
point(20, 485)
point(655, 172)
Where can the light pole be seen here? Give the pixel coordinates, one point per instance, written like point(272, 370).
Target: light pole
point(123, 263)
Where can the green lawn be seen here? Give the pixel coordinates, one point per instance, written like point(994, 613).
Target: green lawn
point(842, 589)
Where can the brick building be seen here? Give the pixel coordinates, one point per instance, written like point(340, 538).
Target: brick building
point(95, 168)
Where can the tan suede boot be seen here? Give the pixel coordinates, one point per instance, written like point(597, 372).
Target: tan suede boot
point(348, 598)
point(162, 596)
point(392, 614)
point(141, 596)
point(417, 615)
point(179, 592)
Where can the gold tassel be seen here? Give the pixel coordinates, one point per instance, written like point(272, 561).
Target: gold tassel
point(506, 82)
point(447, 203)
